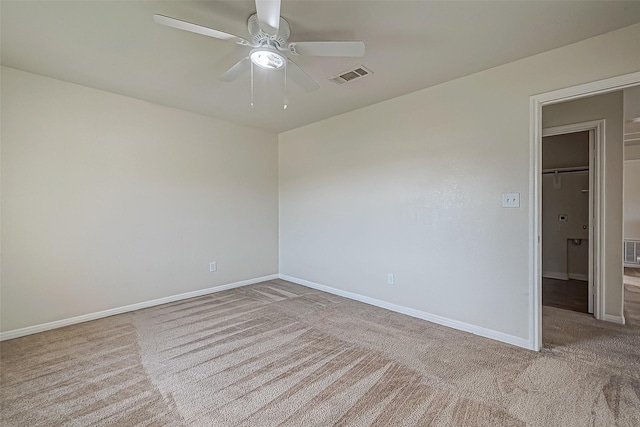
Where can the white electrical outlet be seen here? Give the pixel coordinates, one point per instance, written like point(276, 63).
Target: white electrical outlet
point(510, 200)
point(390, 280)
point(213, 266)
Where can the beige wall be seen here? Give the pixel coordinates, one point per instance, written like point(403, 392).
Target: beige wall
point(109, 201)
point(608, 107)
point(632, 152)
point(631, 112)
point(631, 199)
point(412, 186)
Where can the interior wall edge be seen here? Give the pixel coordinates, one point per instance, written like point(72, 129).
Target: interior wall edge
point(433, 318)
point(29, 330)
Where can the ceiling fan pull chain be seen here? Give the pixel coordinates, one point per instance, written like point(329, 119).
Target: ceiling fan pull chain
point(251, 84)
point(285, 87)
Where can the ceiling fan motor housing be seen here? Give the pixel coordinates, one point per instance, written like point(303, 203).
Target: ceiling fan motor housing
point(260, 38)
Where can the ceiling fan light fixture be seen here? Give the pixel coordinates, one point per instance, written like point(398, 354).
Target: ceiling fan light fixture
point(267, 58)
point(269, 38)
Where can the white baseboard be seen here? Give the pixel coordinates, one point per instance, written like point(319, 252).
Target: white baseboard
point(565, 276)
point(444, 321)
point(614, 319)
point(118, 310)
point(555, 275)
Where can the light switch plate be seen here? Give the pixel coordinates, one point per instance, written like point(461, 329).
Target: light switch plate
point(510, 200)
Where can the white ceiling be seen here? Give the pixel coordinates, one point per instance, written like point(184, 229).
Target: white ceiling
point(410, 45)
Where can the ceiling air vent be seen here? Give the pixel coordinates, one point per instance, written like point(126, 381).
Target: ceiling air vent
point(348, 76)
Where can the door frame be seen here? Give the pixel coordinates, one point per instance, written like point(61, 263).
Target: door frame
point(596, 129)
point(536, 102)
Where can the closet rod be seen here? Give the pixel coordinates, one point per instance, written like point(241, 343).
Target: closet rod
point(566, 170)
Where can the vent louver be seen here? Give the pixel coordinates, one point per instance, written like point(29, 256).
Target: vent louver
point(348, 76)
point(632, 252)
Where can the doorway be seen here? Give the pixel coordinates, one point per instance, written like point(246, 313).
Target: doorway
point(567, 212)
point(607, 241)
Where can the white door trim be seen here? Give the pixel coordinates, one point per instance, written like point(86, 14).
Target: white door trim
point(536, 102)
point(596, 129)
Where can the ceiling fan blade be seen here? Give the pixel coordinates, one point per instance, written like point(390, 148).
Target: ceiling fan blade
point(352, 48)
point(234, 72)
point(268, 12)
point(300, 77)
point(198, 29)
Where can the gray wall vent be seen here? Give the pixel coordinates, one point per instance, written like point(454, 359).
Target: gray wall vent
point(632, 253)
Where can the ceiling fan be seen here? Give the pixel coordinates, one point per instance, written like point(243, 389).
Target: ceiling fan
point(270, 46)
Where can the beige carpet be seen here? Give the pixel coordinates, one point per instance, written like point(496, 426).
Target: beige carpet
point(281, 354)
point(632, 276)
